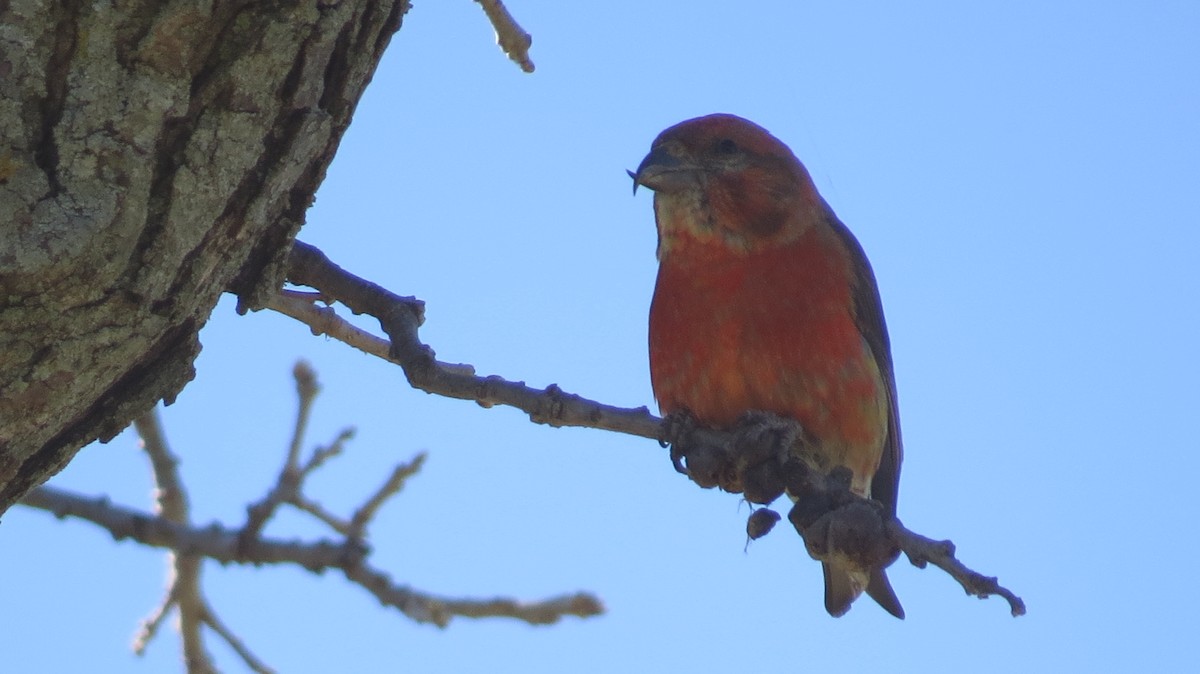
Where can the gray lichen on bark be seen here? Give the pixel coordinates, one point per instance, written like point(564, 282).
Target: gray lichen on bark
point(152, 156)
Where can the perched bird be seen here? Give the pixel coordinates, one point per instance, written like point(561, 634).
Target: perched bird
point(766, 302)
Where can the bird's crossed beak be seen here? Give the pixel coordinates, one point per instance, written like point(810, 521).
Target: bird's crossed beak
point(663, 170)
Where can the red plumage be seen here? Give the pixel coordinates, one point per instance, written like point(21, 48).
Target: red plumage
point(765, 301)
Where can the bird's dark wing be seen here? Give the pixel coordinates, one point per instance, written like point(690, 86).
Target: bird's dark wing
point(869, 316)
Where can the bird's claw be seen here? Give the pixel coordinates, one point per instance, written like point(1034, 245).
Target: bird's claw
point(677, 460)
point(762, 445)
point(762, 436)
point(677, 428)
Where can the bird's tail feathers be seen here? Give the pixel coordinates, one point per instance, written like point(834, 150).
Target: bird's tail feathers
point(880, 589)
point(844, 584)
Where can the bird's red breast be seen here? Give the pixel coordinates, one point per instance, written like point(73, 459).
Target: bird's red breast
point(770, 330)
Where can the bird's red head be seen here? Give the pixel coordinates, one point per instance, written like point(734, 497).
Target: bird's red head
point(724, 179)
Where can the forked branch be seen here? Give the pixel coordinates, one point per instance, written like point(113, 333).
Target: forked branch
point(170, 527)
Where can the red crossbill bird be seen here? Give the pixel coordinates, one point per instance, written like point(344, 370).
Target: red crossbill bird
point(766, 302)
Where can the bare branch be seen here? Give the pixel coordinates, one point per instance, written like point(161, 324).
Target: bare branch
point(212, 541)
point(921, 550)
point(323, 454)
point(338, 524)
point(325, 321)
point(509, 35)
point(287, 487)
point(183, 581)
point(192, 612)
point(170, 498)
point(235, 643)
point(295, 492)
point(400, 317)
point(307, 389)
point(171, 503)
point(149, 627)
point(541, 613)
point(391, 487)
point(714, 458)
point(425, 608)
point(222, 545)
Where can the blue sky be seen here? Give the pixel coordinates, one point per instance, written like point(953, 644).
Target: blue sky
point(1024, 177)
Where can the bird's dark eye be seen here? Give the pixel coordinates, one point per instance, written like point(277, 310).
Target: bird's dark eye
point(726, 146)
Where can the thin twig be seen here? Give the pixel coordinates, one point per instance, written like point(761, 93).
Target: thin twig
point(541, 613)
point(307, 389)
point(213, 541)
point(170, 498)
point(322, 454)
point(391, 487)
point(235, 643)
point(149, 626)
point(325, 321)
point(338, 524)
point(287, 487)
point(170, 502)
point(424, 608)
point(192, 612)
point(921, 550)
point(183, 584)
point(221, 544)
point(509, 35)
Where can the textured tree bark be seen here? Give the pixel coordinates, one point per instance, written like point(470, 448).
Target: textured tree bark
point(152, 156)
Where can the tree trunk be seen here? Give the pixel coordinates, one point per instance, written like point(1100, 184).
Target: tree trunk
point(152, 155)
